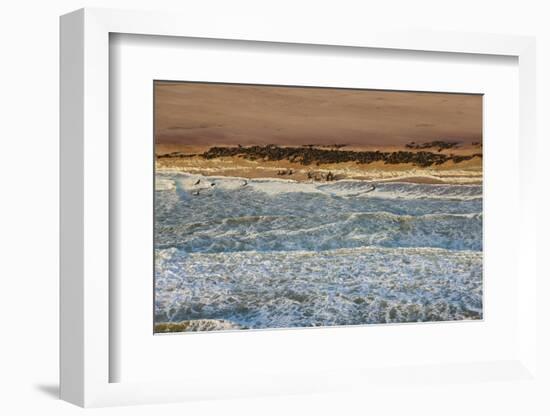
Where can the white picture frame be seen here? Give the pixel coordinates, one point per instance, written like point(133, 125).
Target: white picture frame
point(86, 356)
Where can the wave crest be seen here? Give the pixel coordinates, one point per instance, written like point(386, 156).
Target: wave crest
point(344, 188)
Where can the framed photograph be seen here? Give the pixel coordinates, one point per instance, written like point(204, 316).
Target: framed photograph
point(271, 212)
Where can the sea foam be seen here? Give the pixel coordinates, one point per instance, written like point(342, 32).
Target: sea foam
point(262, 253)
point(343, 188)
point(301, 288)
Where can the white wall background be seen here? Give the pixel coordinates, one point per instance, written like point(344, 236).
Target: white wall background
point(29, 182)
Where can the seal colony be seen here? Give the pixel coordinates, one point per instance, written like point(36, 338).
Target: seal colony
point(447, 163)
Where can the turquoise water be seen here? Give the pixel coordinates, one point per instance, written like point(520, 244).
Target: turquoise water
point(275, 253)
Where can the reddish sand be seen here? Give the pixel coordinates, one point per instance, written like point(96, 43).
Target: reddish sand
point(229, 114)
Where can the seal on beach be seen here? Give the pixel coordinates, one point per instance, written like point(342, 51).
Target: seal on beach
point(373, 187)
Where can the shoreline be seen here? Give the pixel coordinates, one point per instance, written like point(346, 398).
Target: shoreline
point(407, 176)
point(311, 164)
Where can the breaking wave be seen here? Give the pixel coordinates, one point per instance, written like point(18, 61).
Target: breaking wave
point(303, 288)
point(343, 188)
point(324, 232)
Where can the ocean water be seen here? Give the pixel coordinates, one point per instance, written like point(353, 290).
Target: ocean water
point(234, 253)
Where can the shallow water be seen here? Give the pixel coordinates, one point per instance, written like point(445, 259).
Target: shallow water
point(272, 253)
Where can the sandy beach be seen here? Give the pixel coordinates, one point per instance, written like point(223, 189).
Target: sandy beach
point(444, 129)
